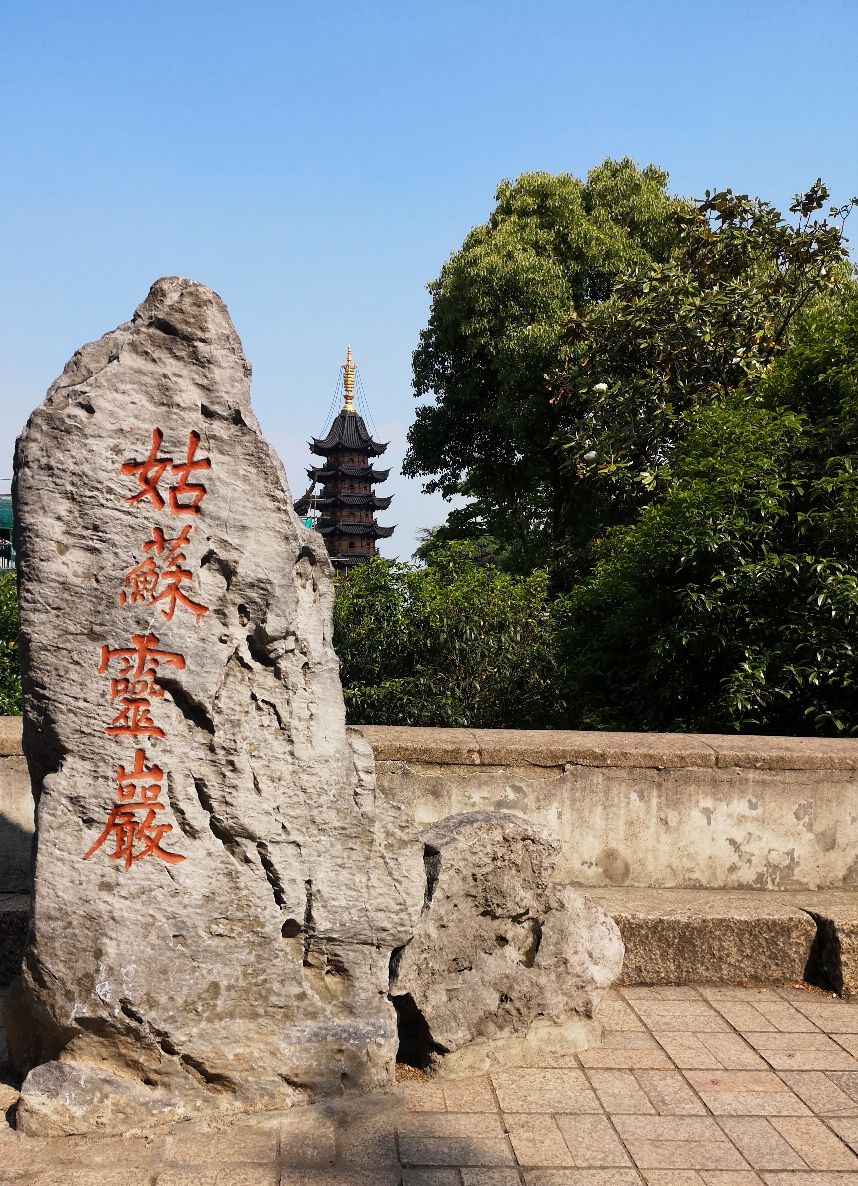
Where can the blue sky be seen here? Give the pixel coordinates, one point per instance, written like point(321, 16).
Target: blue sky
point(315, 163)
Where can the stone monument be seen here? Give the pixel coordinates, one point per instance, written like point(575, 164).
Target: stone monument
point(218, 889)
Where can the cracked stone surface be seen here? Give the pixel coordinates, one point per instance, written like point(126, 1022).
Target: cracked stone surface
point(215, 907)
point(499, 950)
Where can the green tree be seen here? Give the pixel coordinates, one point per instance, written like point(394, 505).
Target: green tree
point(680, 334)
point(732, 601)
point(10, 679)
point(454, 643)
point(500, 310)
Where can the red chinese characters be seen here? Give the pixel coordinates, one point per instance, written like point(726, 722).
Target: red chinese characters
point(132, 823)
point(150, 472)
point(144, 581)
point(159, 576)
point(135, 684)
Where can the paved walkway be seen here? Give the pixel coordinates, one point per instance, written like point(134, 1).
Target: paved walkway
point(705, 1087)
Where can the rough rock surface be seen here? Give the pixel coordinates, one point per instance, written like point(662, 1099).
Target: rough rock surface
point(676, 936)
point(498, 949)
point(217, 886)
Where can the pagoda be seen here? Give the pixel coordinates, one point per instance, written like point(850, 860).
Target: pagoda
point(344, 511)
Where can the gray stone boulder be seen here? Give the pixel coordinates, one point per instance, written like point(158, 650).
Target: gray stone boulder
point(218, 887)
point(503, 964)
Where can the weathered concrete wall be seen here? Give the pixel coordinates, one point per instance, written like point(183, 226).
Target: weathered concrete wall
point(642, 810)
point(647, 810)
point(16, 811)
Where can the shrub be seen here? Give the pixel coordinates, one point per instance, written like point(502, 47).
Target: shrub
point(454, 643)
point(10, 676)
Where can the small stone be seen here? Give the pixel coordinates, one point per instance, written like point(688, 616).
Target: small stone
point(499, 952)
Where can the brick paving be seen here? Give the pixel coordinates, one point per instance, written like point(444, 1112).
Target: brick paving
point(691, 1087)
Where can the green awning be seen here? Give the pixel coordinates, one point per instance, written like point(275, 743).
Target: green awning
point(6, 513)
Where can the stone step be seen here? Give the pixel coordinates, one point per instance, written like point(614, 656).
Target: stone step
point(685, 936)
point(835, 913)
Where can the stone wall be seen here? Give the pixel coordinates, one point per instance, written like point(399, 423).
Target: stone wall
point(647, 810)
point(642, 810)
point(16, 811)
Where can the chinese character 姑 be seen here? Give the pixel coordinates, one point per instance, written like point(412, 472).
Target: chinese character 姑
point(194, 490)
point(150, 472)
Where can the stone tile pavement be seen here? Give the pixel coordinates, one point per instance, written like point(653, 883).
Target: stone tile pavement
point(691, 1087)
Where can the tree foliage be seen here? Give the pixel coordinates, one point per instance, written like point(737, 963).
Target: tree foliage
point(10, 680)
point(703, 404)
point(500, 310)
point(682, 334)
point(454, 643)
point(731, 602)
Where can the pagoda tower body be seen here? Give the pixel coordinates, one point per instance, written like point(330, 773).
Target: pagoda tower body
point(347, 504)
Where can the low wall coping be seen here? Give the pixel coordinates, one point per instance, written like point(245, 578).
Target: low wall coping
point(561, 747)
point(556, 747)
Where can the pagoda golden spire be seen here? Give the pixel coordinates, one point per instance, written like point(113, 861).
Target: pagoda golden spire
point(348, 382)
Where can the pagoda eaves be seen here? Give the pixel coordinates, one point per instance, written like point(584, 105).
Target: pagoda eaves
point(348, 432)
point(320, 473)
point(347, 499)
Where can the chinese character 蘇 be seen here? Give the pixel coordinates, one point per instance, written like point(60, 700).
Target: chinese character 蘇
point(141, 583)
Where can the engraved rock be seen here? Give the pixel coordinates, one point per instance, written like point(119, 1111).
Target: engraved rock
point(500, 952)
point(218, 886)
